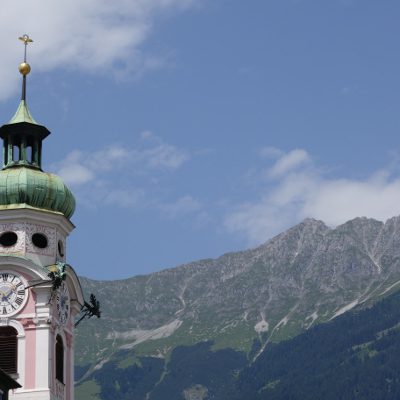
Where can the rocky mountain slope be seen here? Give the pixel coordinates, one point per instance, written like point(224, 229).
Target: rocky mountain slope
point(241, 301)
point(354, 356)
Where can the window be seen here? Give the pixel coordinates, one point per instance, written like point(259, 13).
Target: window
point(16, 153)
point(39, 240)
point(29, 154)
point(8, 239)
point(60, 248)
point(8, 349)
point(59, 359)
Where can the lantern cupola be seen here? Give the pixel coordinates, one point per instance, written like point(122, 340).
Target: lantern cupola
point(22, 135)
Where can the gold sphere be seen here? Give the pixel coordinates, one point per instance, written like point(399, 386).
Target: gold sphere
point(24, 68)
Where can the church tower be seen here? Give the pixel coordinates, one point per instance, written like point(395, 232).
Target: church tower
point(39, 293)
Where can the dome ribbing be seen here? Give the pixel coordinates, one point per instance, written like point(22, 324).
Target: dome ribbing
point(20, 185)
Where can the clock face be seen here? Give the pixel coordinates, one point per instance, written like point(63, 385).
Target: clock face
point(63, 304)
point(12, 293)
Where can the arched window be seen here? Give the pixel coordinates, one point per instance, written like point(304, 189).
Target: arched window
point(29, 154)
point(16, 153)
point(59, 359)
point(8, 349)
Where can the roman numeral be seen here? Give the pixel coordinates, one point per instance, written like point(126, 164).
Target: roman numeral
point(5, 277)
point(19, 301)
point(4, 310)
point(21, 292)
point(19, 284)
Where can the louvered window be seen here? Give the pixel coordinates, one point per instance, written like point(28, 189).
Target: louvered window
point(8, 349)
point(59, 359)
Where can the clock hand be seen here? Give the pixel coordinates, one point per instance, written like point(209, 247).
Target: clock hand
point(5, 296)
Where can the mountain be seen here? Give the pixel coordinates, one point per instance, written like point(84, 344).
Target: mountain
point(355, 356)
point(231, 308)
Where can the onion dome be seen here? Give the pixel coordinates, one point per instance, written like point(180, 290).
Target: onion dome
point(22, 181)
point(22, 185)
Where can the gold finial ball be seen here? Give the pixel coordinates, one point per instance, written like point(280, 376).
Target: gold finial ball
point(24, 68)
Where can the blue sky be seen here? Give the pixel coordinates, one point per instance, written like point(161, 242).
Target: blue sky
point(190, 128)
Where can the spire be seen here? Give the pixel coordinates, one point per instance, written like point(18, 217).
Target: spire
point(22, 135)
point(23, 114)
point(24, 67)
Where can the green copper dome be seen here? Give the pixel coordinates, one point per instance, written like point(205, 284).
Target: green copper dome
point(21, 185)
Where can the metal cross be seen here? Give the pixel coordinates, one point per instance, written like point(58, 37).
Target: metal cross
point(26, 39)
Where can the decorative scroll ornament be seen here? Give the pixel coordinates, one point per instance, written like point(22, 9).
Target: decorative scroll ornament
point(90, 310)
point(57, 274)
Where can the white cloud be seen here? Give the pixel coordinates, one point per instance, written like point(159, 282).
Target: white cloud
point(91, 35)
point(113, 156)
point(289, 161)
point(340, 200)
point(270, 152)
point(181, 207)
point(300, 190)
point(73, 171)
point(79, 167)
point(161, 155)
point(124, 197)
point(164, 156)
point(124, 176)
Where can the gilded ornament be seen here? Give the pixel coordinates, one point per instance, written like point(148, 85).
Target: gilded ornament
point(24, 68)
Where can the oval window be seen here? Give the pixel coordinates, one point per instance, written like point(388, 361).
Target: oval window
point(61, 248)
point(39, 240)
point(8, 239)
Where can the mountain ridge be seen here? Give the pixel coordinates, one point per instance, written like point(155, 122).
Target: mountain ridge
point(307, 275)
